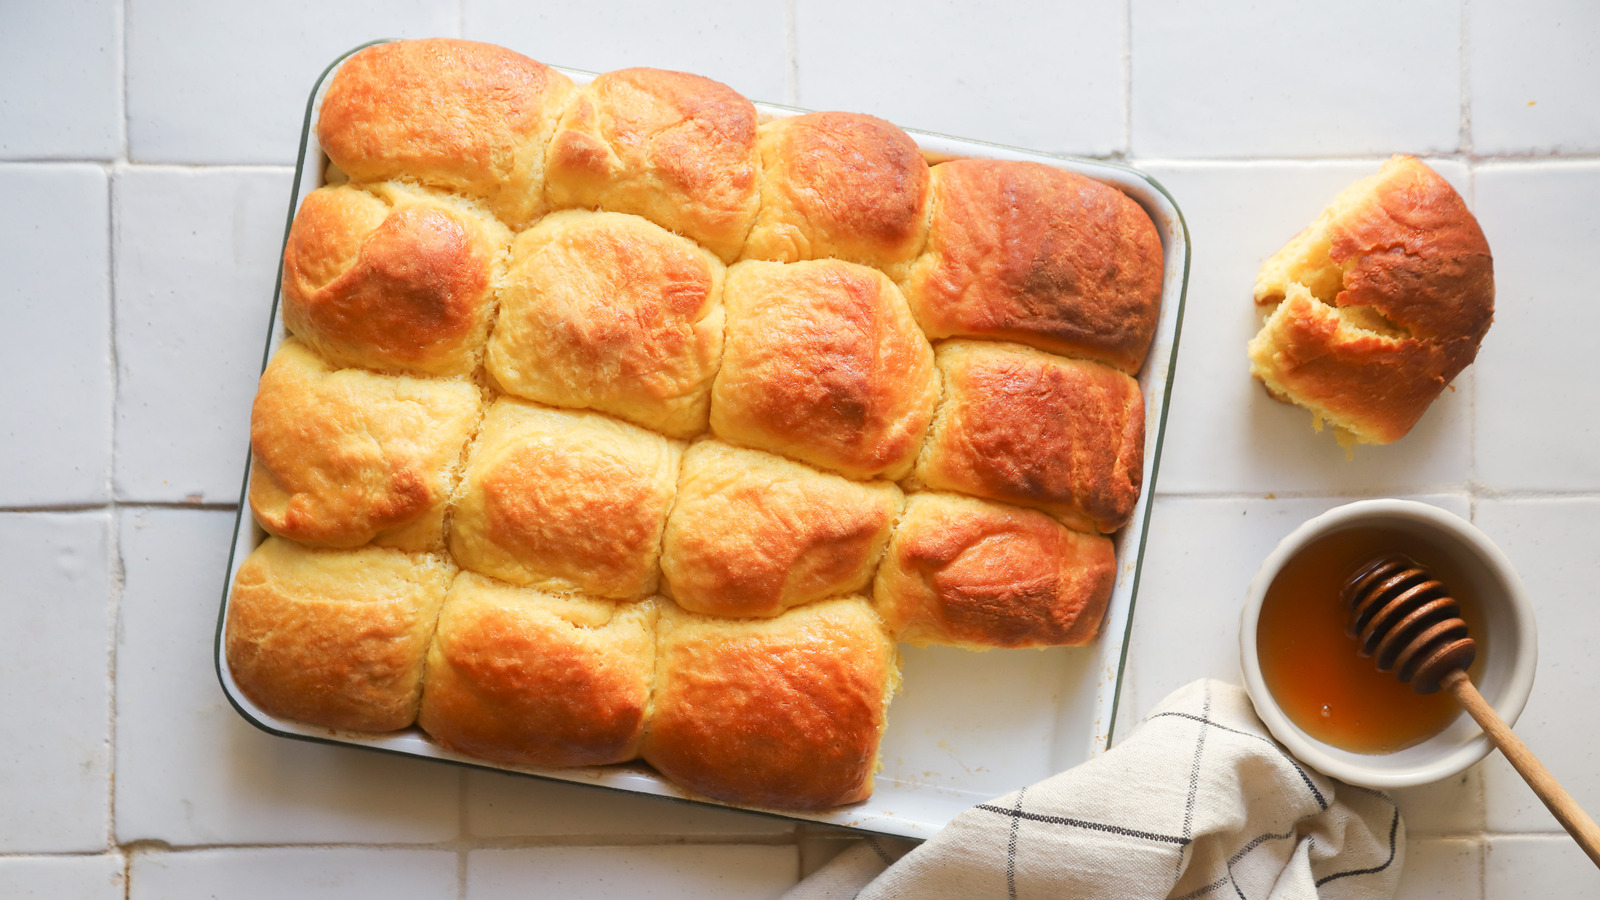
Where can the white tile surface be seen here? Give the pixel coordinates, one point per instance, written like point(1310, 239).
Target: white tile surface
point(58, 333)
point(62, 877)
point(60, 80)
point(509, 806)
point(1538, 419)
point(55, 769)
point(1533, 71)
point(1045, 76)
point(1441, 870)
point(1551, 544)
point(226, 82)
point(744, 45)
point(1224, 433)
point(190, 769)
point(691, 872)
point(1236, 78)
point(196, 258)
point(1451, 807)
point(304, 874)
point(1536, 868)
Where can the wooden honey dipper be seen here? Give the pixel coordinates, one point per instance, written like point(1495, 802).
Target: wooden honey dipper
point(1406, 619)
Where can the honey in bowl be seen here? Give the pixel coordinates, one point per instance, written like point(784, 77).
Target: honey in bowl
point(1314, 668)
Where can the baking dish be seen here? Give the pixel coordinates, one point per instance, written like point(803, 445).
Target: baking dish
point(964, 726)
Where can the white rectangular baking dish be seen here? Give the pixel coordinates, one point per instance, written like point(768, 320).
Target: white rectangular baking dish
point(965, 727)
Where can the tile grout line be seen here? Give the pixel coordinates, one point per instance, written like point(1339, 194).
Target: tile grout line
point(118, 570)
point(1127, 79)
point(792, 50)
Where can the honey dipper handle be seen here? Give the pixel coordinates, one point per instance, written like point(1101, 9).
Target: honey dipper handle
point(1560, 803)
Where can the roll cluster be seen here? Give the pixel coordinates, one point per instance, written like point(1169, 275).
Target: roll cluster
point(617, 423)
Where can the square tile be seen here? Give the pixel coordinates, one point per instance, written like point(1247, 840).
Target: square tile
point(270, 873)
point(743, 45)
point(507, 806)
point(55, 435)
point(62, 877)
point(1225, 434)
point(1535, 868)
point(227, 82)
point(56, 779)
point(698, 871)
point(1441, 870)
point(196, 255)
point(1045, 76)
point(1532, 71)
point(1452, 807)
point(1551, 544)
point(1240, 79)
point(1535, 417)
point(190, 770)
point(1200, 556)
point(61, 80)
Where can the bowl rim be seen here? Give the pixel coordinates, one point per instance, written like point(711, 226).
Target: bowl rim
point(1452, 757)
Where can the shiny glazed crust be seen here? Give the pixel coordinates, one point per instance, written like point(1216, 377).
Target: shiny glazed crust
point(1024, 427)
point(521, 676)
point(343, 457)
point(1378, 305)
point(565, 501)
point(823, 363)
point(753, 534)
point(969, 573)
point(334, 637)
point(677, 149)
point(1024, 252)
point(391, 277)
point(840, 185)
point(610, 312)
point(459, 115)
point(784, 713)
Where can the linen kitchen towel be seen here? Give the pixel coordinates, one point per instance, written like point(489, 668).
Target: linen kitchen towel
point(1197, 803)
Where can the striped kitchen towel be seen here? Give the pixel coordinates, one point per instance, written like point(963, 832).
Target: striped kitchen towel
point(1197, 803)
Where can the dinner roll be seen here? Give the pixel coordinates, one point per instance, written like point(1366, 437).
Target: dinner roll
point(521, 676)
point(969, 573)
point(823, 363)
point(784, 713)
point(752, 534)
point(1377, 305)
point(564, 500)
point(340, 457)
point(1025, 252)
point(334, 638)
point(843, 185)
point(676, 148)
point(607, 311)
point(392, 277)
point(1028, 428)
point(459, 115)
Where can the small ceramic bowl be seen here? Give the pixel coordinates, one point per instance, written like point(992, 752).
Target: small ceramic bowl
point(1508, 656)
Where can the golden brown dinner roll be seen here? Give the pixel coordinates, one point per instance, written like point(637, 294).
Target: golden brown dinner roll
point(459, 115)
point(564, 500)
point(676, 148)
point(334, 638)
point(340, 457)
point(392, 277)
point(970, 573)
point(1377, 305)
point(522, 676)
point(783, 713)
point(1025, 252)
point(751, 534)
point(1025, 427)
point(843, 185)
point(607, 311)
point(823, 363)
